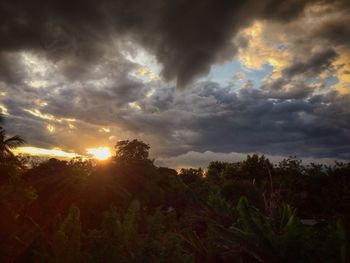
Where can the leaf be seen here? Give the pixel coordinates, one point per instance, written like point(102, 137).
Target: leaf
point(194, 241)
point(341, 234)
point(288, 216)
point(189, 259)
point(129, 220)
point(237, 238)
point(254, 222)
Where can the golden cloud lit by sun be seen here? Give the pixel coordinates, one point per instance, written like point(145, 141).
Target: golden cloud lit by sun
point(100, 153)
point(50, 117)
point(45, 152)
point(134, 106)
point(106, 130)
point(50, 128)
point(3, 110)
point(262, 50)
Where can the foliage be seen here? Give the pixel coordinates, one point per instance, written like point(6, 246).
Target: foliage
point(8, 143)
point(132, 151)
point(129, 210)
point(254, 235)
point(66, 241)
point(191, 176)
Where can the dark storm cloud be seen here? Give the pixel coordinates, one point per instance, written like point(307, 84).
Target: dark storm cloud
point(98, 99)
point(213, 118)
point(187, 37)
point(84, 39)
point(217, 119)
point(32, 129)
point(313, 66)
point(284, 89)
point(208, 117)
point(336, 29)
point(10, 70)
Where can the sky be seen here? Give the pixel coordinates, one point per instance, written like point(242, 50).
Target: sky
point(197, 80)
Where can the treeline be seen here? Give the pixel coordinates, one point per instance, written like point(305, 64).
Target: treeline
point(129, 210)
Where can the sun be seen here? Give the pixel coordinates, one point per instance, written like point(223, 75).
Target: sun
point(100, 153)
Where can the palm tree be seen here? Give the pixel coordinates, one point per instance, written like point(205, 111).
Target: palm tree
point(8, 143)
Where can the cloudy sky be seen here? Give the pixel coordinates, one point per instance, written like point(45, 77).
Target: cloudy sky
point(198, 80)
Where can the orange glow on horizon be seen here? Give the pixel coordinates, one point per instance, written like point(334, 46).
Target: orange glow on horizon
point(56, 152)
point(99, 153)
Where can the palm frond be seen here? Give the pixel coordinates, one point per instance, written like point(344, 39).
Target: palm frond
point(8, 151)
point(14, 141)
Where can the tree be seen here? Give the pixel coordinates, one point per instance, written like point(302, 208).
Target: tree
point(215, 171)
point(189, 176)
point(7, 143)
point(132, 151)
point(66, 243)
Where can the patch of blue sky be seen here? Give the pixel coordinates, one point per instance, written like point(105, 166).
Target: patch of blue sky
point(235, 73)
point(258, 75)
point(281, 47)
point(224, 73)
point(328, 84)
point(331, 81)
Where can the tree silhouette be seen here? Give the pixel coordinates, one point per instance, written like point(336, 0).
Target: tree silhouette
point(130, 210)
point(132, 151)
point(7, 143)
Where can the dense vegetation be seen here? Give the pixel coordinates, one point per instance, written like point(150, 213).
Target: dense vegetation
point(129, 210)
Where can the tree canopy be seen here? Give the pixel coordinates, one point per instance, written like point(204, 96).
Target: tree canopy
point(130, 210)
point(132, 151)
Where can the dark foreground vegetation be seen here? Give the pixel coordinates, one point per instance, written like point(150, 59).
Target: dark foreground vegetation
point(129, 210)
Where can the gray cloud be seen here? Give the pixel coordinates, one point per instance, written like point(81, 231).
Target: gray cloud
point(202, 159)
point(293, 82)
point(187, 37)
point(89, 78)
point(315, 64)
point(11, 71)
point(208, 117)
